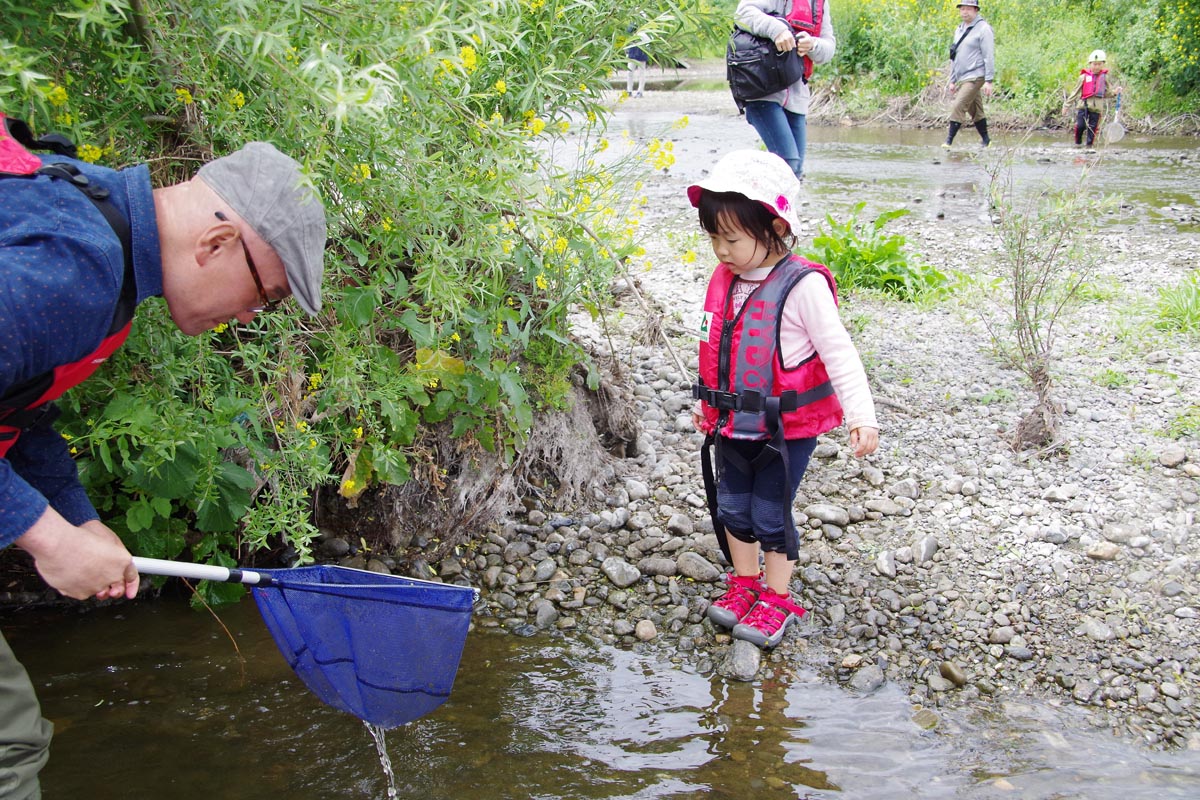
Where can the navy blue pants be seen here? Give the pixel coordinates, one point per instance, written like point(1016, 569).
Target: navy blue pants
point(758, 506)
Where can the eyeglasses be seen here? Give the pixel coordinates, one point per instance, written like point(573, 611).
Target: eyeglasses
point(267, 303)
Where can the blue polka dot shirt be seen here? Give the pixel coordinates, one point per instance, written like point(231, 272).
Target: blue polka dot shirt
point(62, 268)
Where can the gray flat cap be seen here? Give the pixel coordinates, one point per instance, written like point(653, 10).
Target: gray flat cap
point(266, 189)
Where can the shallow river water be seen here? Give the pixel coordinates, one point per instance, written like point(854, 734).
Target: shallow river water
point(156, 699)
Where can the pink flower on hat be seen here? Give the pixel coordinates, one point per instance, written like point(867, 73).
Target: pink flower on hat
point(781, 202)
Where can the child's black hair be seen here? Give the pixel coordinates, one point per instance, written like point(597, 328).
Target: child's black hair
point(749, 215)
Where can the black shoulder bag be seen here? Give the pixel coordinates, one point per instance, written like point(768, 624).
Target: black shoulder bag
point(755, 68)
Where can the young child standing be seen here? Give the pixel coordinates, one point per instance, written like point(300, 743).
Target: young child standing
point(777, 367)
point(1094, 89)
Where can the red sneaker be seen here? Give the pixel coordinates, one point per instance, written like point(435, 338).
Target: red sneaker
point(768, 620)
point(739, 598)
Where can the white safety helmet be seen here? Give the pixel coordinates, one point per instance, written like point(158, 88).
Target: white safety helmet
point(1097, 55)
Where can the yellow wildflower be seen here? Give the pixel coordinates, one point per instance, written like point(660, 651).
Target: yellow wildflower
point(184, 96)
point(360, 173)
point(386, 224)
point(469, 59)
point(57, 96)
point(501, 87)
point(560, 245)
point(302, 426)
point(90, 153)
point(221, 328)
point(541, 281)
point(315, 380)
point(236, 99)
point(454, 337)
point(536, 126)
point(358, 432)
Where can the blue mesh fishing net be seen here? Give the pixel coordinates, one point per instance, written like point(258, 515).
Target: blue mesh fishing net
point(381, 647)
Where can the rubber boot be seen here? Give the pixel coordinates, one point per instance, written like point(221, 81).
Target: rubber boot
point(954, 126)
point(981, 126)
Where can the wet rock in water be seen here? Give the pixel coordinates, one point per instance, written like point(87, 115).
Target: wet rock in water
point(741, 662)
point(925, 719)
point(645, 630)
point(867, 679)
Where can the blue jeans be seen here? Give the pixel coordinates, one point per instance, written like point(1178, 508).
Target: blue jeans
point(783, 132)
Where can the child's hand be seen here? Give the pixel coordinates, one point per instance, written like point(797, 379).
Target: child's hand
point(864, 441)
point(698, 416)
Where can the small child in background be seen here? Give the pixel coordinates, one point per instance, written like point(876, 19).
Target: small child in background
point(1093, 90)
point(638, 61)
point(776, 369)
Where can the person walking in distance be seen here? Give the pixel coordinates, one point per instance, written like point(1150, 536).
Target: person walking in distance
point(972, 71)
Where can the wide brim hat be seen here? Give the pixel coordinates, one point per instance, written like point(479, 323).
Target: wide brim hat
point(757, 175)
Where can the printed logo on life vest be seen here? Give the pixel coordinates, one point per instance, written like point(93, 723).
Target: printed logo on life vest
point(757, 344)
point(705, 324)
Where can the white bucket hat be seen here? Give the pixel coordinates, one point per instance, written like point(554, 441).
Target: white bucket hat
point(758, 175)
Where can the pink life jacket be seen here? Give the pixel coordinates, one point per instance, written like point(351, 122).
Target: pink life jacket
point(740, 364)
point(806, 15)
point(1095, 84)
point(27, 403)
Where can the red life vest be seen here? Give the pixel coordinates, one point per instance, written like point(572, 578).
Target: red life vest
point(740, 363)
point(1095, 84)
point(806, 15)
point(27, 403)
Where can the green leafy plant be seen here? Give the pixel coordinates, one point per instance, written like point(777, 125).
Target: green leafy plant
point(459, 240)
point(862, 256)
point(1186, 423)
point(1178, 307)
point(1112, 379)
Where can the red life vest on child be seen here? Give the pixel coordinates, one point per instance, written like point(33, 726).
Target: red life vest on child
point(740, 364)
point(1095, 84)
point(806, 16)
point(27, 403)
